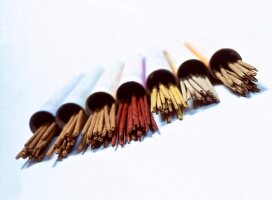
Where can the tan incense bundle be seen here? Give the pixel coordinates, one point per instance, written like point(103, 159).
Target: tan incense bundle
point(43, 125)
point(71, 115)
point(227, 66)
point(165, 96)
point(192, 74)
point(195, 84)
point(134, 118)
point(101, 106)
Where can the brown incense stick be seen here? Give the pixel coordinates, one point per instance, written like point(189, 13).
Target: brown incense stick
point(112, 116)
point(79, 123)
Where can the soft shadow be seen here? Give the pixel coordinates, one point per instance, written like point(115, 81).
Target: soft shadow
point(262, 87)
point(199, 108)
point(30, 163)
point(56, 162)
point(115, 148)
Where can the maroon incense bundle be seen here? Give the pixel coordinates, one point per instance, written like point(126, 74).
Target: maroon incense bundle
point(134, 118)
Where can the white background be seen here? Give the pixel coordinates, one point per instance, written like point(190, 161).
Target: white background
point(218, 152)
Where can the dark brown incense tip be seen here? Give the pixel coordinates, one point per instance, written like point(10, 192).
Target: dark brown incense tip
point(40, 118)
point(192, 66)
point(161, 75)
point(222, 57)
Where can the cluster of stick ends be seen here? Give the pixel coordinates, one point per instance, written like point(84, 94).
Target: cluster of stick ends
point(238, 76)
point(36, 147)
point(133, 121)
point(99, 128)
point(167, 100)
point(199, 88)
point(102, 127)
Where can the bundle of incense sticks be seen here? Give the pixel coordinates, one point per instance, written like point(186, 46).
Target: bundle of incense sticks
point(35, 148)
point(193, 78)
point(167, 99)
point(165, 96)
point(133, 119)
point(71, 115)
point(100, 125)
point(99, 128)
point(198, 87)
point(227, 66)
point(67, 138)
point(43, 125)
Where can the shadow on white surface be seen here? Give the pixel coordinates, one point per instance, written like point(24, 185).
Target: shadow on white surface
point(195, 108)
point(262, 87)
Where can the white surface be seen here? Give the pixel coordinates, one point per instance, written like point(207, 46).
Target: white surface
point(218, 152)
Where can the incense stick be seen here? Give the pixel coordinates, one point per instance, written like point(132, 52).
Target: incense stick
point(197, 53)
point(170, 61)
